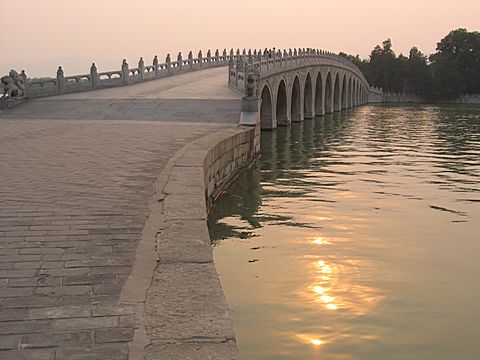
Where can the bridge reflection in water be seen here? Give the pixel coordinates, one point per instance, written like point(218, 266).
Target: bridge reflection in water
point(333, 244)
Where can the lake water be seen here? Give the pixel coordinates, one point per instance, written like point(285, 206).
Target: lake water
point(357, 236)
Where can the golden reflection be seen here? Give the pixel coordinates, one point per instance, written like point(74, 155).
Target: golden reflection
point(333, 286)
point(323, 218)
point(319, 240)
point(310, 339)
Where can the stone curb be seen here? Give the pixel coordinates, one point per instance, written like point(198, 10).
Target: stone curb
point(181, 310)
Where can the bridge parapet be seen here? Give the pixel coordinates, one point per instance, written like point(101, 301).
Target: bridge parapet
point(272, 62)
point(61, 84)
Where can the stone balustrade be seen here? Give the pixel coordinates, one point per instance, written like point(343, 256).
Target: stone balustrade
point(271, 62)
point(126, 75)
point(266, 63)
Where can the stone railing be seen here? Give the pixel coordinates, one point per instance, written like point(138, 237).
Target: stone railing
point(274, 61)
point(265, 63)
point(62, 84)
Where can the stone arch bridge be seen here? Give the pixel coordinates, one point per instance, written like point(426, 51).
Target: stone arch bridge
point(276, 87)
point(308, 83)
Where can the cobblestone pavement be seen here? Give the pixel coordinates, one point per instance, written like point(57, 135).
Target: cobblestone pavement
point(73, 203)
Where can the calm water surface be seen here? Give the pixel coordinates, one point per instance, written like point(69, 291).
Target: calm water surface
point(357, 236)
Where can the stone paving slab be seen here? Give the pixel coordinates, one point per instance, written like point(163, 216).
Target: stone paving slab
point(193, 351)
point(192, 110)
point(193, 290)
point(73, 203)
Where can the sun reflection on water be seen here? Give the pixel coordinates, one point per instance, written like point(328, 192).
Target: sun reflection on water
point(334, 287)
point(311, 339)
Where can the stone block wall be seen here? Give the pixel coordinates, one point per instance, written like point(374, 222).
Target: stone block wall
point(227, 158)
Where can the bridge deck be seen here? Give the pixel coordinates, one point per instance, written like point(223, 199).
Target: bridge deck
point(74, 200)
point(201, 96)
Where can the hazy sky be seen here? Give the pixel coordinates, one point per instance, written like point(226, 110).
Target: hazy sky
point(39, 35)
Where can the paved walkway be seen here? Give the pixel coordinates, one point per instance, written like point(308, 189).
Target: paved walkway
point(201, 96)
point(73, 203)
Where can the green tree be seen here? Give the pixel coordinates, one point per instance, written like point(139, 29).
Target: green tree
point(447, 83)
point(460, 50)
point(417, 74)
point(452, 71)
point(385, 69)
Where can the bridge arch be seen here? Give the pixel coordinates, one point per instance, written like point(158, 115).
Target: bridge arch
point(266, 109)
point(308, 107)
point(296, 114)
point(337, 105)
point(329, 94)
point(349, 92)
point(353, 92)
point(344, 92)
point(356, 93)
point(282, 104)
point(319, 96)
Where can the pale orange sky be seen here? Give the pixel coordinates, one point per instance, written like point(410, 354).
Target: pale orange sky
point(39, 35)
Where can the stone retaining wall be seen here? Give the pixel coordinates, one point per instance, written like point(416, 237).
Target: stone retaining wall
point(186, 313)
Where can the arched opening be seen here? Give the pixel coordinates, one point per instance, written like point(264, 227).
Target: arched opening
point(319, 108)
point(354, 93)
point(357, 96)
point(266, 110)
point(296, 116)
point(349, 93)
point(307, 98)
point(344, 92)
point(282, 112)
point(337, 106)
point(328, 95)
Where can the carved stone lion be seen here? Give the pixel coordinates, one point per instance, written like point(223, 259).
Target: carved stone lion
point(13, 85)
point(251, 87)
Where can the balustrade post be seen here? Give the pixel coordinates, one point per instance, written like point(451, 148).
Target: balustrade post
point(180, 61)
point(155, 65)
point(217, 56)
point(60, 80)
point(168, 61)
point(26, 83)
point(94, 75)
point(141, 67)
point(125, 71)
point(190, 59)
point(274, 56)
point(230, 66)
point(209, 57)
point(237, 72)
point(225, 56)
point(200, 58)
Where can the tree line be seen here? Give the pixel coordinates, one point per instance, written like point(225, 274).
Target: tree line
point(453, 70)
